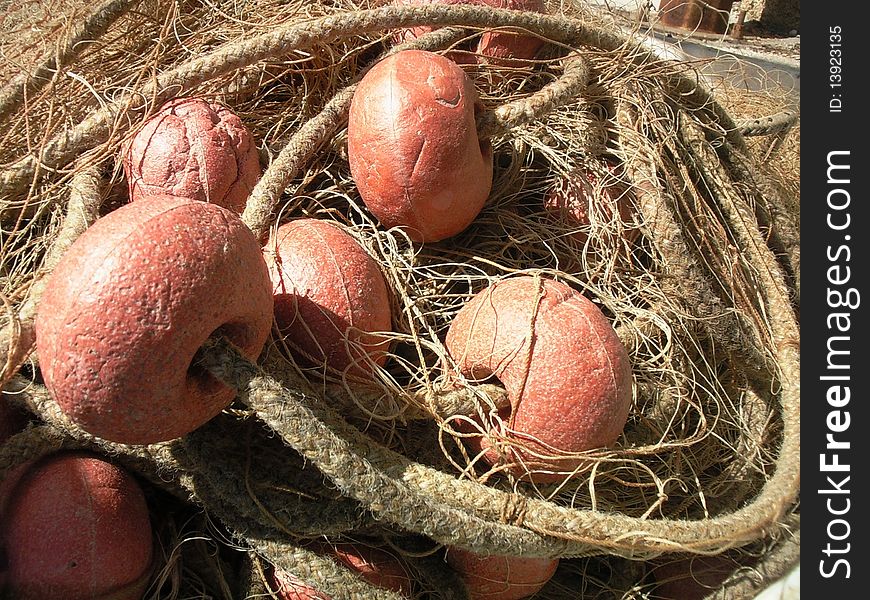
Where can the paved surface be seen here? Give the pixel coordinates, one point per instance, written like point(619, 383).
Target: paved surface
point(759, 58)
point(745, 65)
point(787, 588)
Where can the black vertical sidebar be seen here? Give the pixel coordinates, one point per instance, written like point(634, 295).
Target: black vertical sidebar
point(835, 367)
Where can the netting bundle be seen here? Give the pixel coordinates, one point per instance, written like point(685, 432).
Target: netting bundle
point(687, 244)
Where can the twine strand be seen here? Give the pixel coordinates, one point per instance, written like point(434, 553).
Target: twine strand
point(466, 514)
point(97, 128)
point(18, 337)
point(96, 24)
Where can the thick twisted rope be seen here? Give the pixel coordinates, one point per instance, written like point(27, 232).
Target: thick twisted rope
point(311, 136)
point(255, 487)
point(98, 128)
point(27, 84)
point(17, 338)
point(360, 467)
point(156, 462)
point(462, 512)
point(259, 210)
point(467, 514)
point(770, 125)
point(31, 444)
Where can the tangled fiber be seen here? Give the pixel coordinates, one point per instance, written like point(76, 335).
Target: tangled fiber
point(702, 285)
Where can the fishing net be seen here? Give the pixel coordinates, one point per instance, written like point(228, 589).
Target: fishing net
point(700, 280)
